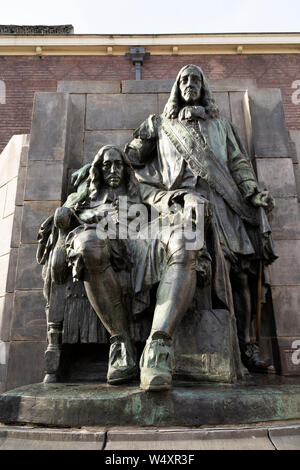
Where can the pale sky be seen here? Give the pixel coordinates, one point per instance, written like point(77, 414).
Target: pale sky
point(157, 16)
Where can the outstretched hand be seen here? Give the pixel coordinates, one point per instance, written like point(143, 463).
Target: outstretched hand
point(79, 175)
point(263, 199)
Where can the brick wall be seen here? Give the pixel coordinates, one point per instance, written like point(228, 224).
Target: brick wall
point(24, 75)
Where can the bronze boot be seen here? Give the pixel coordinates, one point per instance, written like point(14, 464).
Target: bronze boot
point(250, 356)
point(122, 360)
point(157, 363)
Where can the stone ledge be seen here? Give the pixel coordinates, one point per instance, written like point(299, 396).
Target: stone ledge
point(187, 404)
point(88, 86)
point(262, 437)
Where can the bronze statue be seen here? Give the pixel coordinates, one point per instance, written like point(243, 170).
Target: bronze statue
point(200, 153)
point(96, 260)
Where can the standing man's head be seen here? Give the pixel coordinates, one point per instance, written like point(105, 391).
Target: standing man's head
point(190, 89)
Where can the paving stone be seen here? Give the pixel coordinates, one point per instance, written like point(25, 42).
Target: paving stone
point(289, 350)
point(285, 271)
point(88, 86)
point(25, 363)
point(51, 112)
point(77, 116)
point(254, 439)
point(147, 86)
point(286, 301)
point(285, 218)
point(39, 189)
point(95, 140)
point(123, 111)
point(29, 318)
point(270, 138)
point(34, 213)
point(277, 175)
point(30, 438)
point(29, 273)
point(285, 438)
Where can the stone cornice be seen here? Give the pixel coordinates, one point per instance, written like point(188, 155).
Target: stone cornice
point(157, 44)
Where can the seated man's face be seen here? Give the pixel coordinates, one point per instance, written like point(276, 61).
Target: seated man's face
point(112, 168)
point(190, 84)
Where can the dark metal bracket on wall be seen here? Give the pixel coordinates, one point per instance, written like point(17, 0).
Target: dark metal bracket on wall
point(137, 55)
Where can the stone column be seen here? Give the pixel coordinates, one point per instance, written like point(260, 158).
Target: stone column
point(270, 148)
point(34, 188)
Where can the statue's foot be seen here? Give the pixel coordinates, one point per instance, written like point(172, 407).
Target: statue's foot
point(122, 366)
point(251, 360)
point(157, 363)
point(50, 379)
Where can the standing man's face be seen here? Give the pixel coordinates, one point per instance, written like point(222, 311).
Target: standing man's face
point(190, 84)
point(112, 168)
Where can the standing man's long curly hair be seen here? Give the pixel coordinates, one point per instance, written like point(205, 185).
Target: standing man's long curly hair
point(175, 102)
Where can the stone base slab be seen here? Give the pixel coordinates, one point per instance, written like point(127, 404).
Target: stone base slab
point(266, 436)
point(188, 404)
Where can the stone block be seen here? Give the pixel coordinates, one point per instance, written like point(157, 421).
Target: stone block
point(147, 86)
point(285, 218)
point(12, 270)
point(123, 111)
point(2, 200)
point(88, 86)
point(30, 438)
point(34, 213)
point(29, 319)
point(295, 137)
point(95, 140)
point(6, 226)
point(232, 84)
point(277, 175)
point(241, 439)
point(286, 301)
point(289, 350)
point(285, 271)
point(25, 363)
point(11, 189)
point(77, 116)
point(285, 438)
point(162, 100)
point(29, 273)
point(44, 181)
point(6, 310)
point(269, 134)
point(10, 159)
point(222, 100)
point(209, 356)
point(237, 115)
point(21, 186)
point(16, 230)
point(50, 112)
point(296, 167)
point(4, 263)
